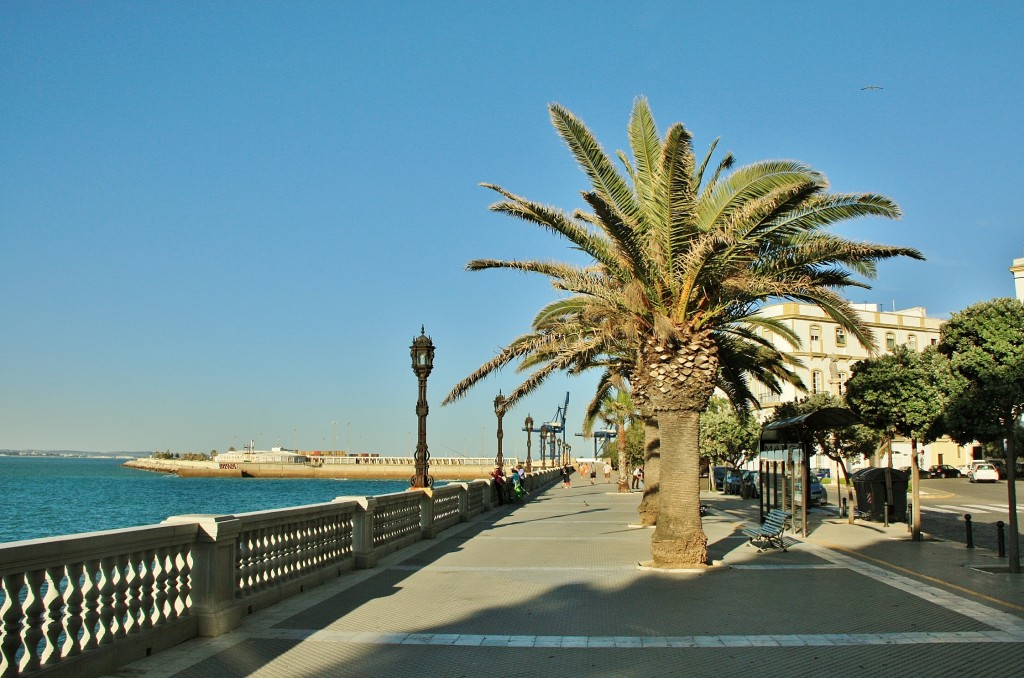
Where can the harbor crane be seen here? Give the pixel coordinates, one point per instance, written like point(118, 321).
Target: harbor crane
point(549, 430)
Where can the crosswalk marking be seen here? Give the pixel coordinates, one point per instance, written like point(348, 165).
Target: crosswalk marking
point(969, 508)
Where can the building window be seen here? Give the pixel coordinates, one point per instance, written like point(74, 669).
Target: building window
point(842, 382)
point(890, 341)
point(816, 381)
point(840, 336)
point(816, 338)
point(912, 342)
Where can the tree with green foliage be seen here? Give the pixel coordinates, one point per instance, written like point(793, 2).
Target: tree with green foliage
point(635, 444)
point(985, 347)
point(684, 254)
point(727, 436)
point(902, 394)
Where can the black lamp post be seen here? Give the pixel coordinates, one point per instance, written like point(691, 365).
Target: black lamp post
point(529, 430)
point(499, 410)
point(422, 351)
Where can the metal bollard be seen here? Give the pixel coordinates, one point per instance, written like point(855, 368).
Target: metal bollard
point(842, 508)
point(885, 513)
point(910, 516)
point(1001, 538)
point(970, 531)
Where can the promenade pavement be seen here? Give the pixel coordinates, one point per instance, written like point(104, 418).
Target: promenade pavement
point(553, 588)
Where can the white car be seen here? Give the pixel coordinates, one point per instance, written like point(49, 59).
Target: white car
point(984, 473)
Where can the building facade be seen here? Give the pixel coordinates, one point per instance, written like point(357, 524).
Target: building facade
point(827, 353)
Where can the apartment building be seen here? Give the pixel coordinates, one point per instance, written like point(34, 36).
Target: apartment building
point(828, 352)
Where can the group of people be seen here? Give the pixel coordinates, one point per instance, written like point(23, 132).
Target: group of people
point(517, 489)
point(513, 492)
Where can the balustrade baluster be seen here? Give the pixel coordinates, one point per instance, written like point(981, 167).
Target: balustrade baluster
point(54, 603)
point(91, 594)
point(182, 602)
point(108, 587)
point(162, 570)
point(34, 610)
point(146, 581)
point(73, 609)
point(11, 619)
point(132, 620)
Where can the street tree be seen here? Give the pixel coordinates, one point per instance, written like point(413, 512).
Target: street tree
point(901, 394)
point(727, 436)
point(684, 254)
point(985, 347)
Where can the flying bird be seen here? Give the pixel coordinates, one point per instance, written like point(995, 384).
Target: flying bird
point(871, 87)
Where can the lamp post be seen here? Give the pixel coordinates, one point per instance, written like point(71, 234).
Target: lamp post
point(422, 352)
point(499, 411)
point(529, 430)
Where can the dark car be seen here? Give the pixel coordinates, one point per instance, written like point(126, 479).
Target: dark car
point(749, 486)
point(924, 474)
point(944, 471)
point(734, 481)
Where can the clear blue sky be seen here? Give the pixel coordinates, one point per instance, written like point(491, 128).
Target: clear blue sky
point(223, 221)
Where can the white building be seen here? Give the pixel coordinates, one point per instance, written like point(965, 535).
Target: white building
point(828, 352)
point(275, 455)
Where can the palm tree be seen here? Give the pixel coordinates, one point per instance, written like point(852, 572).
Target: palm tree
point(682, 265)
point(616, 409)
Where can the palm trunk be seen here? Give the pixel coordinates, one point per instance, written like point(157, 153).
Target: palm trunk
point(648, 508)
point(621, 442)
point(679, 539)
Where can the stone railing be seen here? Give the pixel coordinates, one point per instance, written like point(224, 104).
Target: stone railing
point(83, 605)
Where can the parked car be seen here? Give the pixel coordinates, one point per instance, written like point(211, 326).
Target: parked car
point(749, 485)
point(733, 481)
point(818, 496)
point(944, 471)
point(984, 473)
point(909, 470)
point(721, 473)
point(1000, 467)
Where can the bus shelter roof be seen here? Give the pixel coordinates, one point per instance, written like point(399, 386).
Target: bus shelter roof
point(794, 429)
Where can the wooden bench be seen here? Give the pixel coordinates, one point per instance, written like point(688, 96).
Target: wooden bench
point(769, 534)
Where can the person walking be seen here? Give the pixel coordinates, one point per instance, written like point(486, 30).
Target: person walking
point(607, 473)
point(566, 477)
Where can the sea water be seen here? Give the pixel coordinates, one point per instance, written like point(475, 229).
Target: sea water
point(49, 496)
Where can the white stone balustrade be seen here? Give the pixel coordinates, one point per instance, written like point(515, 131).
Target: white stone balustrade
point(83, 605)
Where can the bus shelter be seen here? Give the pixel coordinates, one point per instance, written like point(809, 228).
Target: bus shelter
point(784, 460)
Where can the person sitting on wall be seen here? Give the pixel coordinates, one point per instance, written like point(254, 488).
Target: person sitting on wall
point(498, 475)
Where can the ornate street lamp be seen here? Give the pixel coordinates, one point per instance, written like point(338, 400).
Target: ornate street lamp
point(422, 351)
point(529, 430)
point(499, 410)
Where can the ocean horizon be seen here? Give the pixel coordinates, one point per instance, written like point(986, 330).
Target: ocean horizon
point(48, 496)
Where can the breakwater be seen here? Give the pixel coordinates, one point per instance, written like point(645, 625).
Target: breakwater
point(376, 468)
